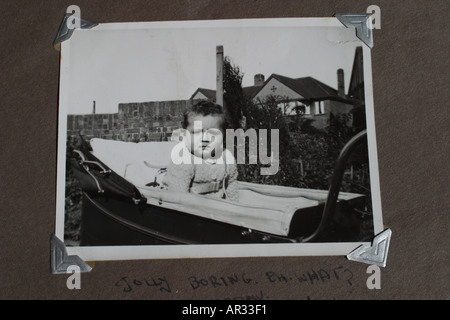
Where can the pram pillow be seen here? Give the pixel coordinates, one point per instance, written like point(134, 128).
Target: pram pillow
point(139, 162)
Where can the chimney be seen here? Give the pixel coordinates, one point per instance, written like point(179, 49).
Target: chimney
point(341, 83)
point(259, 80)
point(219, 75)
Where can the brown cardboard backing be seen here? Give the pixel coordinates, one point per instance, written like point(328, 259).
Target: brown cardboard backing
point(411, 90)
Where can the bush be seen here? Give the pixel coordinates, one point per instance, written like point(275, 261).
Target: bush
point(73, 197)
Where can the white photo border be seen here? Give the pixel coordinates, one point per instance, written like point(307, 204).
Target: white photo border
point(213, 251)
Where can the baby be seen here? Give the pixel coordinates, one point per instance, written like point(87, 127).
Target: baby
point(199, 164)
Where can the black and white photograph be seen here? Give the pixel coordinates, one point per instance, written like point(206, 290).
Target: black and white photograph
point(224, 138)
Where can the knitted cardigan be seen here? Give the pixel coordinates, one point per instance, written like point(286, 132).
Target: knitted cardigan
point(192, 177)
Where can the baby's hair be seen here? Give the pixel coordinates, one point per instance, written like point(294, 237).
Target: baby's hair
point(204, 108)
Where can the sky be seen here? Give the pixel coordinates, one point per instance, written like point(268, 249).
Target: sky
point(132, 62)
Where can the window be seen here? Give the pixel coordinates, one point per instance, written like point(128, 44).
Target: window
point(319, 107)
point(307, 109)
point(290, 108)
point(301, 108)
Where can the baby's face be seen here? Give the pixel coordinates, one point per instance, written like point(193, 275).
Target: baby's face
point(205, 136)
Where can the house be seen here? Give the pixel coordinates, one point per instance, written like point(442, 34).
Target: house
point(308, 96)
point(202, 93)
point(314, 99)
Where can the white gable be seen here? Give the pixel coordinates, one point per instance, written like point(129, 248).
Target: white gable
point(276, 88)
point(199, 95)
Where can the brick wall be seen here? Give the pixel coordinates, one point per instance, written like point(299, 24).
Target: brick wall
point(143, 121)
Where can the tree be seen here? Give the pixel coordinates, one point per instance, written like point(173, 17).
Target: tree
point(267, 114)
point(233, 95)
